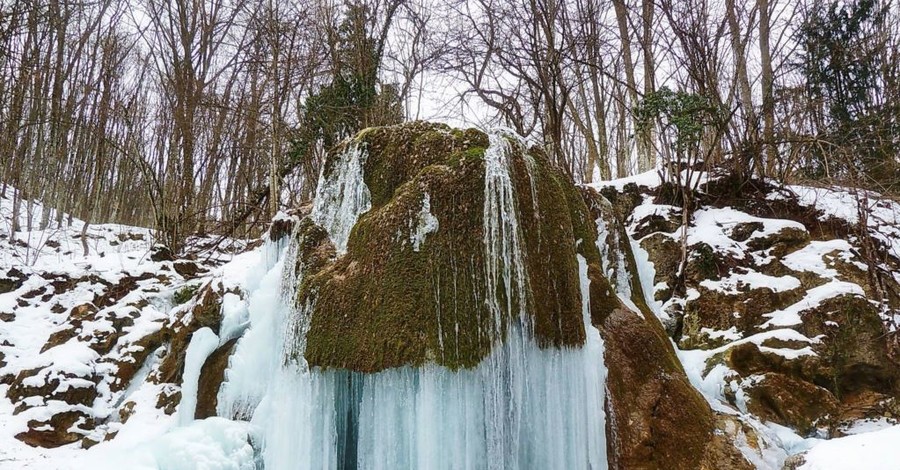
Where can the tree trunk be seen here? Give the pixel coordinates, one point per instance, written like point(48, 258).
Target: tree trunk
point(768, 98)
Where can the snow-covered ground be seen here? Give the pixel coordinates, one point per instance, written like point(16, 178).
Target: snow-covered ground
point(70, 320)
point(868, 444)
point(153, 439)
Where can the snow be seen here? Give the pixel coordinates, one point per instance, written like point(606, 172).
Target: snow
point(710, 225)
point(426, 223)
point(208, 444)
point(790, 315)
point(752, 280)
point(55, 267)
point(869, 425)
point(649, 179)
point(875, 450)
point(730, 334)
point(648, 209)
point(883, 214)
point(812, 257)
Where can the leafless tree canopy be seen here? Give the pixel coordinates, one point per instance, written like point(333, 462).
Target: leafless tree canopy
point(198, 116)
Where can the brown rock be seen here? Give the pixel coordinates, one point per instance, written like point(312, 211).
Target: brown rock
point(665, 253)
point(57, 430)
point(187, 269)
point(867, 405)
point(855, 346)
point(743, 231)
point(168, 399)
point(126, 411)
point(211, 377)
point(792, 402)
point(207, 312)
point(135, 357)
point(12, 280)
point(49, 389)
point(161, 253)
point(657, 419)
point(782, 242)
point(77, 316)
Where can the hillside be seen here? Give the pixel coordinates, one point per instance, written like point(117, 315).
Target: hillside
point(448, 296)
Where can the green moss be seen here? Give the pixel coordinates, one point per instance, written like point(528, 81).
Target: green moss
point(856, 350)
point(397, 153)
point(703, 263)
point(475, 152)
point(549, 217)
point(185, 294)
point(385, 304)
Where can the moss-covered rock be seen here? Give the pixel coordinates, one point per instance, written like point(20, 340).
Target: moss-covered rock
point(854, 345)
point(392, 300)
point(657, 419)
point(742, 310)
point(665, 252)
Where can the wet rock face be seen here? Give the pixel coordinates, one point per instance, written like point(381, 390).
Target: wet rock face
point(211, 377)
point(412, 285)
point(657, 418)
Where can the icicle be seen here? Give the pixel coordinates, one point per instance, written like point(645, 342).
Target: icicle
point(258, 354)
point(342, 196)
point(425, 223)
point(522, 407)
point(504, 265)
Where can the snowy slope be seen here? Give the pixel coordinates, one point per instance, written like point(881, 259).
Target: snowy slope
point(75, 330)
point(135, 297)
point(742, 246)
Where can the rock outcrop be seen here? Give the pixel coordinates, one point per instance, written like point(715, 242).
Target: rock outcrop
point(387, 300)
point(431, 246)
point(780, 301)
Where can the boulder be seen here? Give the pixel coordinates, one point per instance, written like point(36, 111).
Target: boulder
point(377, 306)
point(657, 419)
point(792, 402)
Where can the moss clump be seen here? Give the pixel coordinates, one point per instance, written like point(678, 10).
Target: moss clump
point(397, 153)
point(702, 264)
point(387, 304)
point(185, 294)
point(855, 346)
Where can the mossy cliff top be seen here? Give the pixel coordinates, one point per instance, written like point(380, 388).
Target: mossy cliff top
point(412, 285)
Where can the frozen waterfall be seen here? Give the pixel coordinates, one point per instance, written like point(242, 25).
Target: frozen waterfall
point(521, 407)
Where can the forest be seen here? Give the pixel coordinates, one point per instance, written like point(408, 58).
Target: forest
point(209, 116)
